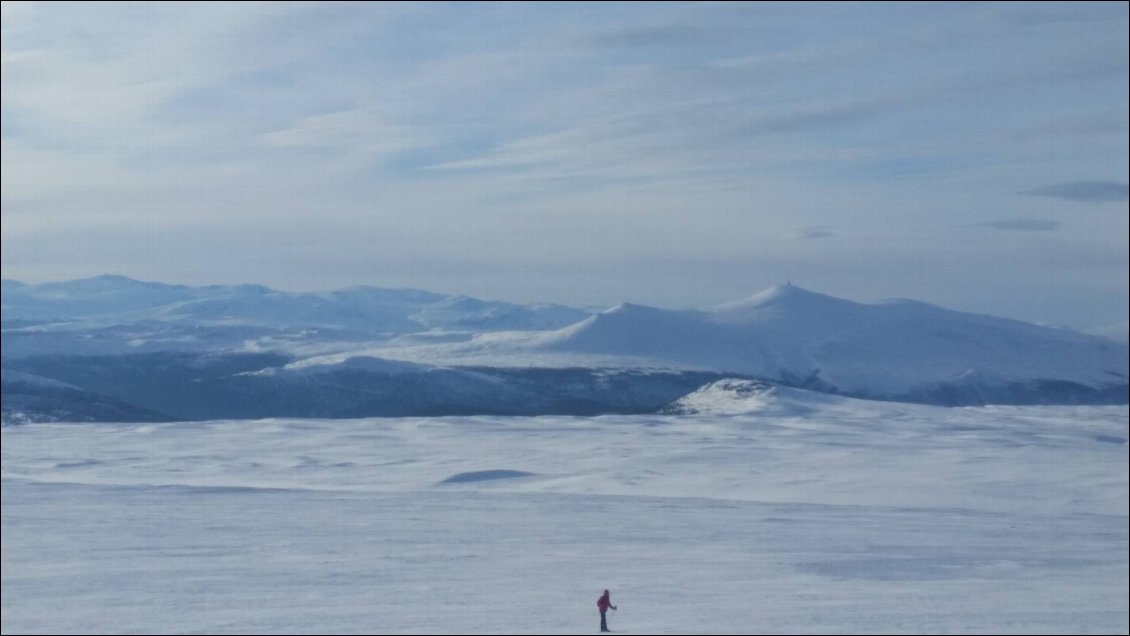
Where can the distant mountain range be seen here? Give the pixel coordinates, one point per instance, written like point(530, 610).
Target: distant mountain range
point(115, 348)
point(118, 299)
point(114, 314)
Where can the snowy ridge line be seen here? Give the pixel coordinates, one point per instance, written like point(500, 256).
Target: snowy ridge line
point(108, 300)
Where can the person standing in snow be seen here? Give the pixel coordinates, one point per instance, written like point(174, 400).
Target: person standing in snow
point(602, 604)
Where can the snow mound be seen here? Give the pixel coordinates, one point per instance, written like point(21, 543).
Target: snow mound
point(734, 396)
point(486, 475)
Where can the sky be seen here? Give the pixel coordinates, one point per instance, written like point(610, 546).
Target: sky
point(672, 154)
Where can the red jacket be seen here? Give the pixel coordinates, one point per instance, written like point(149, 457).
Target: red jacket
point(603, 603)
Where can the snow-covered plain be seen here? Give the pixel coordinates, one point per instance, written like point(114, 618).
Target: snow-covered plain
point(804, 514)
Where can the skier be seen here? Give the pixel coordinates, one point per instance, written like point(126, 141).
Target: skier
point(602, 604)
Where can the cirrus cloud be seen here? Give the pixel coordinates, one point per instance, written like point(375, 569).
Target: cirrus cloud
point(1094, 191)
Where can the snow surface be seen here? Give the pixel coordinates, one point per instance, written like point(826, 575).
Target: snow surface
point(821, 515)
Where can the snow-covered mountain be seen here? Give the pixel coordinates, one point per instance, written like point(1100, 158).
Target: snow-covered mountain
point(249, 351)
point(117, 299)
point(899, 349)
point(107, 295)
point(114, 314)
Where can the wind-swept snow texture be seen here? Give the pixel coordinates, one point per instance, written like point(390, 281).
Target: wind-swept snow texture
point(799, 513)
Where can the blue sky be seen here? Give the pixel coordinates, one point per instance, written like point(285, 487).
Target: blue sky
point(969, 155)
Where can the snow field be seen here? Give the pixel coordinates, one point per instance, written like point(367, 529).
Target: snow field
point(843, 517)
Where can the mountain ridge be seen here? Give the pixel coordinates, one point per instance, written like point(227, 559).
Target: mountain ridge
point(359, 307)
point(888, 348)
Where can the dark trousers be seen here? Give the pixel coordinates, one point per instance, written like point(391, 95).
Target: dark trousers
point(603, 622)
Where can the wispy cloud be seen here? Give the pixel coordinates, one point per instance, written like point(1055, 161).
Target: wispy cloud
point(650, 36)
point(707, 137)
point(815, 233)
point(1022, 224)
point(1096, 191)
point(356, 130)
